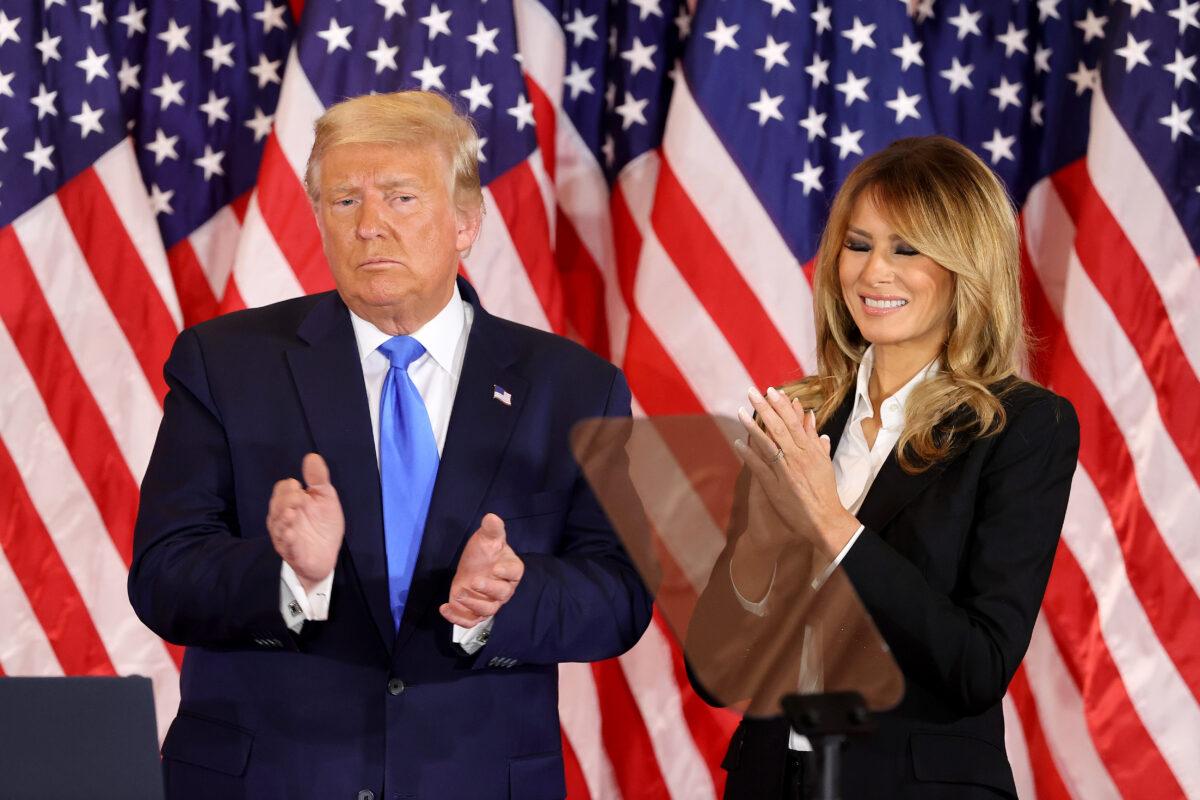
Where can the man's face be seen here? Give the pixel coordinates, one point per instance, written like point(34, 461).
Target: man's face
point(391, 232)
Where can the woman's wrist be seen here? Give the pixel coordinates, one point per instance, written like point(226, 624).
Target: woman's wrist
point(837, 531)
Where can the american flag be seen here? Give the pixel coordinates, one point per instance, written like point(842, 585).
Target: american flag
point(657, 174)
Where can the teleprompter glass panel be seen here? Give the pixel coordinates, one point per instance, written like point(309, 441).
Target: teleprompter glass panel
point(677, 495)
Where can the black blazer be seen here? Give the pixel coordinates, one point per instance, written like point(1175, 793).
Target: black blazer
point(952, 565)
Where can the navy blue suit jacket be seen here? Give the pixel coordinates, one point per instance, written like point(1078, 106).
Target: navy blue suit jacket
point(349, 707)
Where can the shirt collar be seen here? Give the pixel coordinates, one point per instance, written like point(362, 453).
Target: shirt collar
point(862, 397)
point(439, 336)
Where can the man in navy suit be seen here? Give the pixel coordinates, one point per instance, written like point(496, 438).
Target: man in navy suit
point(388, 627)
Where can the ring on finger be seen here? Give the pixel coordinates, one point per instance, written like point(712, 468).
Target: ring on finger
point(778, 456)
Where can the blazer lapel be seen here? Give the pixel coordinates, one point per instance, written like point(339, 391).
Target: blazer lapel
point(480, 427)
point(893, 488)
point(329, 380)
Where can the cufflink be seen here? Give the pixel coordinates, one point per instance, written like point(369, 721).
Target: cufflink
point(294, 609)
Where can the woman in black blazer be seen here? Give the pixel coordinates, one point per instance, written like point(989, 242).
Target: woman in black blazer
point(918, 460)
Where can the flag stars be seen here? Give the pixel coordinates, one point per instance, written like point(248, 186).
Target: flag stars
point(39, 156)
point(168, 92)
point(966, 22)
point(48, 47)
point(1085, 79)
point(271, 17)
point(1041, 58)
point(583, 28)
point(384, 56)
point(860, 35)
point(609, 149)
point(88, 120)
point(484, 39)
point(1134, 52)
point(175, 36)
point(1177, 121)
point(214, 108)
point(93, 65)
point(1092, 26)
point(959, 75)
point(95, 12)
point(1181, 68)
point(336, 37)
point(847, 142)
point(6, 79)
point(1035, 111)
point(909, 53)
point(854, 88)
point(767, 107)
point(1048, 9)
point(822, 17)
point(44, 101)
point(1000, 147)
point(924, 10)
point(260, 124)
point(134, 20)
point(814, 123)
point(647, 8)
point(723, 36)
point(1186, 15)
point(818, 70)
point(210, 162)
point(1006, 93)
point(632, 111)
point(480, 144)
point(905, 105)
point(266, 70)
point(1138, 6)
point(163, 147)
point(579, 80)
point(391, 8)
point(773, 53)
point(437, 21)
point(522, 112)
point(1013, 40)
point(8, 29)
point(226, 5)
point(780, 5)
point(478, 94)
point(430, 76)
point(3, 144)
point(160, 201)
point(683, 22)
point(640, 56)
point(220, 54)
point(809, 177)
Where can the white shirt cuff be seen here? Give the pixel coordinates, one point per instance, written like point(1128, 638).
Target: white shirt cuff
point(473, 638)
point(758, 609)
point(297, 605)
point(819, 581)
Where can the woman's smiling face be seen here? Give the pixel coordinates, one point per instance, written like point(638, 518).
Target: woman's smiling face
point(896, 296)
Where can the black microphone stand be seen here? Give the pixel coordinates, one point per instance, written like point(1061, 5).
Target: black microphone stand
point(826, 720)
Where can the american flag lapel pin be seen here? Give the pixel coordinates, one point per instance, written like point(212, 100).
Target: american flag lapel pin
point(502, 394)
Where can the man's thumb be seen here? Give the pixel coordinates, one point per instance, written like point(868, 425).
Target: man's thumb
point(492, 528)
point(315, 472)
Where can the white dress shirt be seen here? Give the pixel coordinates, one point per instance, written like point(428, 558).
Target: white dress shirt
point(435, 374)
point(855, 466)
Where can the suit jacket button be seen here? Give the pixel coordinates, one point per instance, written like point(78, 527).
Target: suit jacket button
point(366, 794)
point(395, 686)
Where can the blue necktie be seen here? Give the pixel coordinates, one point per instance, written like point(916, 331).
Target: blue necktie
point(408, 464)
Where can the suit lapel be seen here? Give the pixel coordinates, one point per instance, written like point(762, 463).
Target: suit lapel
point(329, 380)
point(480, 427)
point(893, 488)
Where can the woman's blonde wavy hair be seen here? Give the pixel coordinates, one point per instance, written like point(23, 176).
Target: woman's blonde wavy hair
point(945, 202)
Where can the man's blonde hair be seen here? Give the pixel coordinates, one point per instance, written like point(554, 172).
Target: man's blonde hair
point(945, 202)
point(404, 119)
